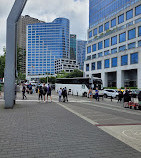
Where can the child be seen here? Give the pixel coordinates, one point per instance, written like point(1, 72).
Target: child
point(60, 94)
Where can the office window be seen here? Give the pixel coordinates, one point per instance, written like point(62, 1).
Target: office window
point(131, 34)
point(122, 48)
point(134, 58)
point(138, 20)
point(106, 63)
point(121, 19)
point(94, 56)
point(138, 10)
point(87, 67)
point(99, 65)
point(88, 49)
point(95, 31)
point(114, 62)
point(100, 28)
point(139, 43)
point(107, 52)
point(100, 45)
point(94, 47)
point(106, 43)
point(129, 14)
point(89, 57)
point(100, 54)
point(131, 45)
point(139, 31)
point(114, 40)
point(114, 50)
point(93, 66)
point(124, 60)
point(122, 37)
point(106, 26)
point(113, 22)
point(90, 34)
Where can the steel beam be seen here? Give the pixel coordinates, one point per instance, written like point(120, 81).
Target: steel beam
point(11, 44)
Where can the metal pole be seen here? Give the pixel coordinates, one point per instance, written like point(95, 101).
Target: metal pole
point(10, 66)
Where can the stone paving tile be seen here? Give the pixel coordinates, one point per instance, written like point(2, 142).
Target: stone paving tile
point(38, 130)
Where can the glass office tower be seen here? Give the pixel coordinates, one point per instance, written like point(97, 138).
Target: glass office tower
point(72, 46)
point(81, 53)
point(46, 42)
point(100, 10)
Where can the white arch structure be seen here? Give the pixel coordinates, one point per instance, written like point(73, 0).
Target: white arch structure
point(10, 67)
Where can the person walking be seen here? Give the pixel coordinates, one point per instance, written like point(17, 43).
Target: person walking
point(90, 93)
point(120, 96)
point(66, 94)
point(97, 94)
point(126, 98)
point(23, 92)
point(44, 91)
point(40, 92)
point(49, 92)
point(60, 94)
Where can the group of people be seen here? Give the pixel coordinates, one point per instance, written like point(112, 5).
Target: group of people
point(90, 93)
point(63, 92)
point(44, 91)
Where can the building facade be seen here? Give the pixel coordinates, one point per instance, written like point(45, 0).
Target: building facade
point(66, 65)
point(114, 49)
point(72, 46)
point(46, 42)
point(81, 53)
point(21, 38)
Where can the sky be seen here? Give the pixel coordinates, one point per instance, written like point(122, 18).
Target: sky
point(77, 11)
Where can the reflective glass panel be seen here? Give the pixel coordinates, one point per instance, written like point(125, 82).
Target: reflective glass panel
point(122, 37)
point(138, 10)
point(100, 54)
point(87, 67)
point(124, 60)
point(100, 45)
point(114, 40)
point(139, 31)
point(88, 49)
point(113, 22)
point(131, 34)
point(106, 63)
point(93, 66)
point(107, 52)
point(134, 58)
point(90, 34)
point(99, 65)
point(106, 43)
point(121, 19)
point(114, 62)
point(94, 56)
point(122, 48)
point(139, 43)
point(100, 28)
point(106, 26)
point(131, 45)
point(95, 31)
point(129, 14)
point(113, 51)
point(94, 47)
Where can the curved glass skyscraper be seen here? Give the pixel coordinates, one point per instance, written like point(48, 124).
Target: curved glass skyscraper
point(100, 10)
point(46, 42)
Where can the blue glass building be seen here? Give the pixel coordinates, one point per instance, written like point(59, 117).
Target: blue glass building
point(81, 53)
point(100, 10)
point(114, 40)
point(46, 42)
point(72, 46)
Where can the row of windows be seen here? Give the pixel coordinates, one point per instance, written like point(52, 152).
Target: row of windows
point(122, 38)
point(114, 50)
point(114, 62)
point(129, 15)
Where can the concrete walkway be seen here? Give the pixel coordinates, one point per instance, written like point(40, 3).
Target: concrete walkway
point(47, 130)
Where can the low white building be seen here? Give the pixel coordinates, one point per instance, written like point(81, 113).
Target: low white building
point(66, 65)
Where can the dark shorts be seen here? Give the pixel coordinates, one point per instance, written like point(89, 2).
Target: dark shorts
point(48, 94)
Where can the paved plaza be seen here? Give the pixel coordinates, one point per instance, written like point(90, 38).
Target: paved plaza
point(77, 129)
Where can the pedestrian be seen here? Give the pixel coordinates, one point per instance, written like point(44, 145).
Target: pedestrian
point(97, 94)
point(44, 91)
point(60, 94)
point(49, 92)
point(90, 93)
point(30, 88)
point(40, 92)
point(23, 92)
point(0, 89)
point(65, 94)
point(126, 97)
point(120, 96)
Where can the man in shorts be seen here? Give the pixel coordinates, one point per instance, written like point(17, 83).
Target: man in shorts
point(49, 92)
point(44, 91)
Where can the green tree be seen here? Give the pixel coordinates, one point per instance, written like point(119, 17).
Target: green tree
point(2, 65)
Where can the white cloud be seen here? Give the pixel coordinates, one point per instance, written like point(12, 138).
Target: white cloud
point(47, 10)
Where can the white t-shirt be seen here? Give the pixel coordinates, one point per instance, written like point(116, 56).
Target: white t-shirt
point(60, 92)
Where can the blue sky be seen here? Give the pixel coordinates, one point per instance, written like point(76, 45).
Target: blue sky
point(47, 10)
